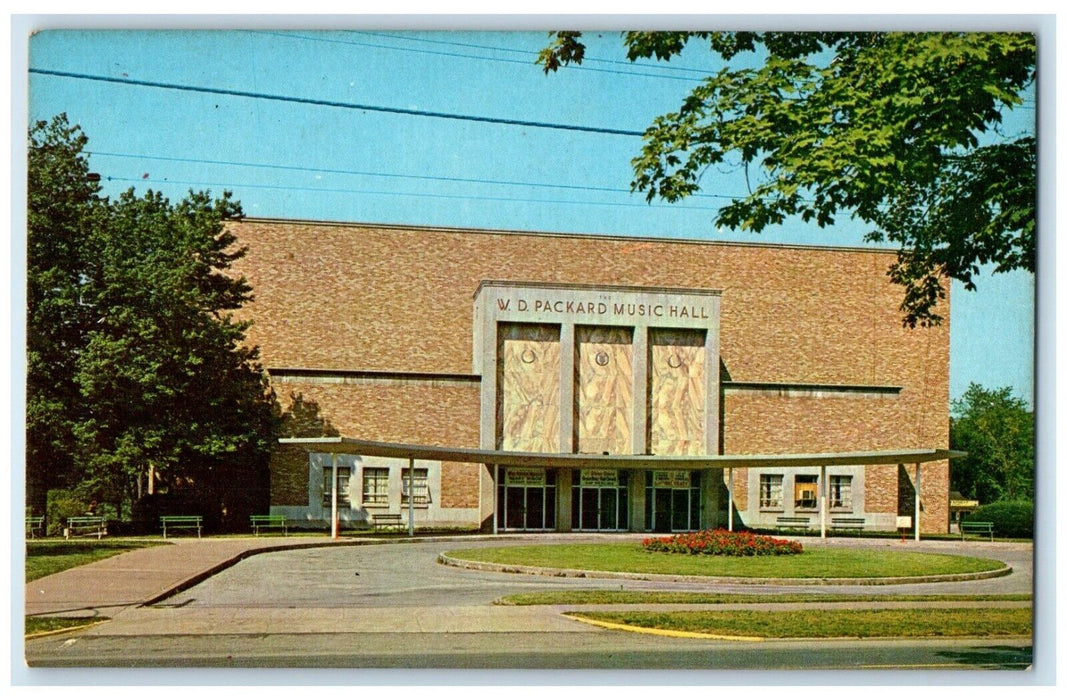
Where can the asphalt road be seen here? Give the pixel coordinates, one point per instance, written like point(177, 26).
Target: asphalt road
point(393, 606)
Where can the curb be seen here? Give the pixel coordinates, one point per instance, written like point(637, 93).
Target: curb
point(65, 630)
point(731, 638)
point(679, 634)
point(734, 580)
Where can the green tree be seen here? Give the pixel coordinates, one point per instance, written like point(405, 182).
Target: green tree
point(898, 130)
point(996, 430)
point(162, 377)
point(63, 204)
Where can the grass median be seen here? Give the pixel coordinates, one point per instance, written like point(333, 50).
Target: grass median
point(605, 597)
point(814, 562)
point(46, 557)
point(921, 622)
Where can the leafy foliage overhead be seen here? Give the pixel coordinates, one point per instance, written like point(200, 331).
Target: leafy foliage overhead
point(899, 130)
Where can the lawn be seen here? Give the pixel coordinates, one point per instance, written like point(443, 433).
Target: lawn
point(46, 557)
point(604, 597)
point(920, 622)
point(815, 562)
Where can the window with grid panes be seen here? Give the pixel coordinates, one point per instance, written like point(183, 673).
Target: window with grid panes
point(806, 491)
point(770, 491)
point(343, 476)
point(375, 486)
point(841, 492)
point(422, 490)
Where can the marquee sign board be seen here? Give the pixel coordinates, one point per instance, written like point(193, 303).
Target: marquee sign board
point(599, 477)
point(521, 476)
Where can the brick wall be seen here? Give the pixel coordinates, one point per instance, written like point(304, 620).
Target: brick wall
point(360, 297)
point(459, 485)
point(289, 476)
point(410, 412)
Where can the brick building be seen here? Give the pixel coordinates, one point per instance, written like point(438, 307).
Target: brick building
point(552, 343)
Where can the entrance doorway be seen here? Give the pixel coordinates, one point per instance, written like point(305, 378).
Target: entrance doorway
point(672, 501)
point(599, 500)
point(526, 499)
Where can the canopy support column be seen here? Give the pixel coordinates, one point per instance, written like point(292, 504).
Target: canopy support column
point(333, 499)
point(918, 492)
point(411, 497)
point(496, 497)
point(823, 493)
point(730, 499)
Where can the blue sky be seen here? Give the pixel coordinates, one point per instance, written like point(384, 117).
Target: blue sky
point(160, 113)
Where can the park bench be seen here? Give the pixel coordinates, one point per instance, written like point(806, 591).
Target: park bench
point(976, 526)
point(788, 522)
point(386, 520)
point(86, 525)
point(843, 523)
point(267, 521)
point(179, 522)
point(34, 526)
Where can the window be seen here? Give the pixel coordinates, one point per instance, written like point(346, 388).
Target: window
point(805, 491)
point(375, 486)
point(770, 491)
point(841, 492)
point(422, 490)
point(343, 475)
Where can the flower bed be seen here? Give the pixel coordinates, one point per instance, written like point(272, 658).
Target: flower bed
point(722, 543)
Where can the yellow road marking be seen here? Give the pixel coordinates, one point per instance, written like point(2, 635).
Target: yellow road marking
point(659, 632)
point(50, 633)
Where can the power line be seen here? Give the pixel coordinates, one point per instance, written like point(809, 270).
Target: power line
point(587, 59)
point(371, 173)
point(528, 64)
point(331, 103)
point(425, 195)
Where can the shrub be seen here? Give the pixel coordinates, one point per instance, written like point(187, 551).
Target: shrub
point(63, 504)
point(722, 543)
point(1009, 518)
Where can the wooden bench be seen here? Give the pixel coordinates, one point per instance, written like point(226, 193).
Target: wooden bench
point(267, 521)
point(386, 520)
point(976, 526)
point(34, 526)
point(179, 522)
point(843, 523)
point(86, 525)
point(786, 522)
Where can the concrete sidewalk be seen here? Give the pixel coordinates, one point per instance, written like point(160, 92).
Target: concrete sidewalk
point(149, 574)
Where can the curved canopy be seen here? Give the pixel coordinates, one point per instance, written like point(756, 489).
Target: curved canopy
point(372, 448)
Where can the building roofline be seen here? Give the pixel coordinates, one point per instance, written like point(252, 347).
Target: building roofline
point(524, 284)
point(415, 228)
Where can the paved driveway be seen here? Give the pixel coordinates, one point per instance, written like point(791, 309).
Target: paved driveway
point(394, 605)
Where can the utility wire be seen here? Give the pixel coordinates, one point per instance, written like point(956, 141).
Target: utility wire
point(331, 103)
point(703, 73)
point(528, 64)
point(430, 195)
point(370, 173)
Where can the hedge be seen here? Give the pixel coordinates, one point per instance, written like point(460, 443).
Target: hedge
point(1009, 518)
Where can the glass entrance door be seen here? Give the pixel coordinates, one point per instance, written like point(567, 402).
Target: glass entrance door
point(599, 500)
point(661, 510)
point(526, 500)
point(672, 502)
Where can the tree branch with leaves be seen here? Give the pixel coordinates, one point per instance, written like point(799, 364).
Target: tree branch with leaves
point(897, 130)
